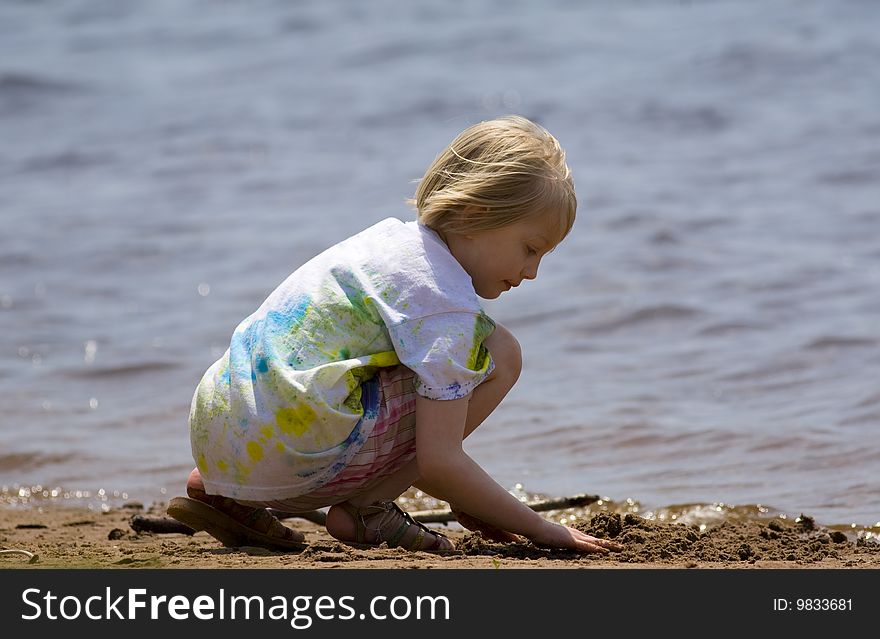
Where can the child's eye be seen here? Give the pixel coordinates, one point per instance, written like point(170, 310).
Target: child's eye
point(531, 250)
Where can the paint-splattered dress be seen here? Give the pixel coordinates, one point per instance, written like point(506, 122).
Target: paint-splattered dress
point(295, 396)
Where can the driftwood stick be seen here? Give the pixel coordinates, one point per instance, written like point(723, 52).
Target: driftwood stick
point(167, 525)
point(315, 516)
point(162, 525)
point(561, 503)
point(32, 557)
point(443, 516)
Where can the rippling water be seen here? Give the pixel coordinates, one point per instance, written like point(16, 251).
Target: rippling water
point(709, 333)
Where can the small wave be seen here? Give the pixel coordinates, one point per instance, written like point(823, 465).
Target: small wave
point(29, 461)
point(853, 177)
point(432, 106)
point(15, 260)
point(382, 53)
point(662, 313)
point(541, 318)
point(776, 369)
point(664, 237)
point(17, 84)
point(630, 220)
point(869, 418)
point(871, 217)
point(824, 343)
point(21, 93)
point(660, 263)
point(756, 61)
point(65, 161)
point(870, 400)
point(300, 25)
point(703, 223)
point(728, 328)
point(781, 443)
point(699, 119)
point(694, 371)
point(96, 372)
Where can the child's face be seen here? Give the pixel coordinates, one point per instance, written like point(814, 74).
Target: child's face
point(500, 259)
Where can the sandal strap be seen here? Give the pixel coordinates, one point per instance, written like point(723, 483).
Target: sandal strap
point(394, 540)
point(406, 524)
point(388, 510)
point(417, 542)
point(259, 514)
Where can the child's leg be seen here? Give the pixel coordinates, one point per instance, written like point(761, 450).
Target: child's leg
point(340, 521)
point(506, 354)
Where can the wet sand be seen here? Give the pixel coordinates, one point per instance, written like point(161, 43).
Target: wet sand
point(80, 538)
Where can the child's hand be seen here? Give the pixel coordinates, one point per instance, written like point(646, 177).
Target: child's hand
point(558, 536)
point(490, 532)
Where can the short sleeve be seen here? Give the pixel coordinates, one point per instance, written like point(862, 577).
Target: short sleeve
point(446, 352)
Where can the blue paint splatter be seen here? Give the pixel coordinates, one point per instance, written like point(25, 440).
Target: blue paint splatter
point(251, 346)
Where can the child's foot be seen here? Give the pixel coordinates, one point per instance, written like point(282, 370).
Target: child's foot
point(231, 523)
point(383, 521)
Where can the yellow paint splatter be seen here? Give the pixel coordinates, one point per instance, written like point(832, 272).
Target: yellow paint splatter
point(201, 462)
point(386, 358)
point(222, 465)
point(268, 431)
point(241, 472)
point(255, 451)
point(295, 420)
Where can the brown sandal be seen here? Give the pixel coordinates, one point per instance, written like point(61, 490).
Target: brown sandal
point(390, 514)
point(260, 528)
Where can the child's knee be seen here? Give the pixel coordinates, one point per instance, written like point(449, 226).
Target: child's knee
point(506, 353)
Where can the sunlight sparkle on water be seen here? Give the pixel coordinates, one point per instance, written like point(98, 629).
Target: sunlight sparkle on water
point(40, 496)
point(91, 349)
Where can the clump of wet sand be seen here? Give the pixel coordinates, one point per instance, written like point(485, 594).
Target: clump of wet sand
point(801, 542)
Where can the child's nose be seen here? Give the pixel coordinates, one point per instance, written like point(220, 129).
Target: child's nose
point(530, 272)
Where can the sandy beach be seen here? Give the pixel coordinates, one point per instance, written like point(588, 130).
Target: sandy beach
point(80, 538)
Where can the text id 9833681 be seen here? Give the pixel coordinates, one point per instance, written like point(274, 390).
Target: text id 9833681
point(813, 604)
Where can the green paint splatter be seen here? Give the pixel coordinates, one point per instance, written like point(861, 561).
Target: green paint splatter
point(478, 357)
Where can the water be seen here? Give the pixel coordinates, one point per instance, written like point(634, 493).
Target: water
point(709, 334)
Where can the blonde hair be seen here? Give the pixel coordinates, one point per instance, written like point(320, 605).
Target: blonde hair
point(502, 171)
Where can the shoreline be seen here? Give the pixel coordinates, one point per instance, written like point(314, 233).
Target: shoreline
point(81, 538)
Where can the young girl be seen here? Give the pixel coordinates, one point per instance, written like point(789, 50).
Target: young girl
point(362, 373)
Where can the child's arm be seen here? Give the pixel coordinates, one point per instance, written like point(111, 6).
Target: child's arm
point(450, 474)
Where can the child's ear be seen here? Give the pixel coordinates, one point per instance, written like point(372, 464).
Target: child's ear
point(460, 216)
point(469, 210)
